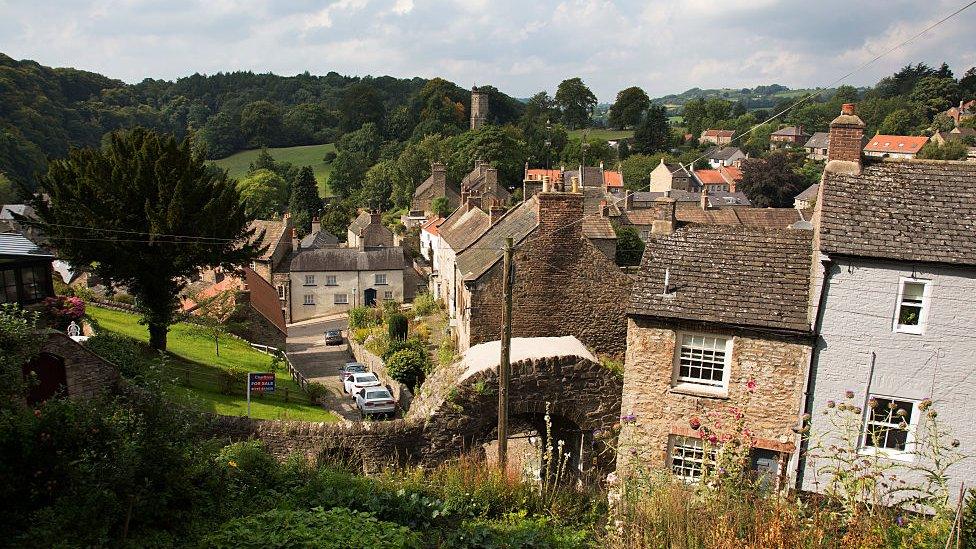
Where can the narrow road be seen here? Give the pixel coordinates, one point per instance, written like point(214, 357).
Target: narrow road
point(320, 362)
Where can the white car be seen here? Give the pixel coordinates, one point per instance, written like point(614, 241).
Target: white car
point(375, 400)
point(355, 382)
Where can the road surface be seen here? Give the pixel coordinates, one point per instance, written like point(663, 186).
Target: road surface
point(320, 362)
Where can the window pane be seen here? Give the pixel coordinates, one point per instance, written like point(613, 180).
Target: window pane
point(913, 292)
point(701, 359)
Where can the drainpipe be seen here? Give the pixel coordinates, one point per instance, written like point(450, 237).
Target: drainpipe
point(830, 269)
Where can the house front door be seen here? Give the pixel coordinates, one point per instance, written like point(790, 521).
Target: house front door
point(369, 297)
point(46, 377)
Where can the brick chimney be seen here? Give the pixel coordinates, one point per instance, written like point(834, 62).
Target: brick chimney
point(375, 218)
point(316, 225)
point(473, 202)
point(559, 216)
point(495, 213)
point(844, 147)
point(665, 222)
point(296, 243)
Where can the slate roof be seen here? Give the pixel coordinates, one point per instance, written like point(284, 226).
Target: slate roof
point(320, 239)
point(809, 193)
point(818, 140)
point(771, 218)
point(908, 210)
point(596, 226)
point(17, 245)
point(360, 223)
point(788, 131)
point(740, 276)
point(721, 153)
point(451, 191)
point(484, 252)
point(468, 227)
point(348, 259)
point(273, 230)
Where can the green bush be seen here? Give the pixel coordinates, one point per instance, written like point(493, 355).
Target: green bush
point(396, 326)
point(424, 304)
point(361, 317)
point(407, 366)
point(337, 528)
point(401, 344)
point(248, 464)
point(231, 383)
point(316, 391)
point(125, 298)
point(129, 355)
point(515, 531)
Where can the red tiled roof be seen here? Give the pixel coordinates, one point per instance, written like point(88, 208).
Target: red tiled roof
point(538, 173)
point(264, 299)
point(732, 171)
point(896, 143)
point(228, 283)
point(718, 133)
point(612, 179)
point(432, 224)
point(710, 177)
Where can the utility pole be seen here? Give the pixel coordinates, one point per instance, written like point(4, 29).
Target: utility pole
point(504, 365)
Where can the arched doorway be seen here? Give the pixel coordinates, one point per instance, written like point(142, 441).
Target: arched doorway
point(46, 377)
point(369, 297)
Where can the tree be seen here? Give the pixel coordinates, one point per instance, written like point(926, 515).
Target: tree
point(154, 215)
point(216, 315)
point(8, 193)
point(967, 84)
point(898, 122)
point(951, 150)
point(575, 101)
point(771, 182)
point(221, 136)
point(501, 146)
point(628, 109)
point(630, 247)
point(304, 201)
point(347, 174)
point(933, 94)
point(943, 122)
point(441, 207)
point(261, 124)
point(361, 103)
point(589, 153)
point(653, 134)
point(378, 185)
point(264, 192)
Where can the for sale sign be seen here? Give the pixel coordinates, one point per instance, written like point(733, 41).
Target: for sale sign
point(261, 382)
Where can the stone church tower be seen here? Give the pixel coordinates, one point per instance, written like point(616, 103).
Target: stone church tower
point(479, 108)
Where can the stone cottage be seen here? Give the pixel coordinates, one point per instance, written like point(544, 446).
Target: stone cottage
point(435, 186)
point(368, 231)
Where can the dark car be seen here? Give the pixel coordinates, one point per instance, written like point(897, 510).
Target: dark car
point(349, 369)
point(333, 337)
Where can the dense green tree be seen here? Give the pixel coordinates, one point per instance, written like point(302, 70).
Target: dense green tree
point(308, 124)
point(898, 122)
point(348, 170)
point(636, 169)
point(8, 191)
point(441, 207)
point(304, 198)
point(942, 122)
point(588, 153)
point(264, 192)
point(772, 182)
point(844, 94)
point(361, 104)
point(501, 146)
point(221, 136)
point(336, 216)
point(934, 94)
point(133, 196)
point(967, 84)
point(541, 107)
point(951, 150)
point(628, 109)
point(575, 102)
point(261, 124)
point(653, 134)
point(903, 81)
point(378, 185)
point(365, 141)
point(630, 247)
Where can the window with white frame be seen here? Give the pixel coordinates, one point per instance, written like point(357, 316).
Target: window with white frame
point(310, 280)
point(341, 299)
point(330, 280)
point(703, 360)
point(309, 299)
point(913, 298)
point(387, 295)
point(889, 425)
point(379, 279)
point(281, 292)
point(687, 457)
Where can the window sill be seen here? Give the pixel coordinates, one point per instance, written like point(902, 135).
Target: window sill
point(903, 456)
point(692, 389)
point(308, 285)
point(308, 304)
point(380, 284)
point(910, 330)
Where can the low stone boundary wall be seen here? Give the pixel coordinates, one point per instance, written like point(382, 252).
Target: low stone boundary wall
point(375, 364)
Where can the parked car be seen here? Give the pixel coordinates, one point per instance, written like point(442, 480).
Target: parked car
point(355, 382)
point(333, 337)
point(374, 400)
point(349, 369)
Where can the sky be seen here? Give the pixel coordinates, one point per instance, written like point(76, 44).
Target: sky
point(519, 46)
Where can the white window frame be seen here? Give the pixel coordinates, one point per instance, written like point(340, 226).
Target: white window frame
point(699, 385)
point(387, 295)
point(281, 291)
point(308, 299)
point(331, 280)
point(376, 279)
point(908, 454)
point(687, 449)
point(309, 280)
point(343, 301)
point(923, 314)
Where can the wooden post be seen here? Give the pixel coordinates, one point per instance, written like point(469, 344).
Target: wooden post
point(504, 365)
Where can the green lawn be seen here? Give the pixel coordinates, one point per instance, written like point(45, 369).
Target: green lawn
point(306, 155)
point(599, 133)
point(194, 352)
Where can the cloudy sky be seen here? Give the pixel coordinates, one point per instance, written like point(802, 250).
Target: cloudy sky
point(520, 46)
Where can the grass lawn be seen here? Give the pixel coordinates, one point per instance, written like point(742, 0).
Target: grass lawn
point(194, 352)
point(306, 155)
point(599, 133)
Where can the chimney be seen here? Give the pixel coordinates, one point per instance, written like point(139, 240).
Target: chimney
point(473, 202)
point(464, 198)
point(629, 200)
point(296, 243)
point(844, 145)
point(665, 222)
point(375, 218)
point(604, 209)
point(316, 225)
point(576, 185)
point(439, 172)
point(495, 213)
point(560, 214)
point(703, 200)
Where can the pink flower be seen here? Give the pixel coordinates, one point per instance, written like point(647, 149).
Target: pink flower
point(712, 439)
point(751, 385)
point(695, 423)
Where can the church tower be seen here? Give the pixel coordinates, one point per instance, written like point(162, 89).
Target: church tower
point(479, 108)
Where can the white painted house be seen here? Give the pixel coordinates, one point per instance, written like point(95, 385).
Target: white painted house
point(894, 297)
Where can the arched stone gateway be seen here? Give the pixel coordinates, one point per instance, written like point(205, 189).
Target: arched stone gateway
point(456, 411)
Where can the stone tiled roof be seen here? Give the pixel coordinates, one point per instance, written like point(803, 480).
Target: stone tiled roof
point(721, 153)
point(818, 140)
point(596, 226)
point(484, 252)
point(771, 218)
point(273, 230)
point(466, 229)
point(320, 239)
point(909, 210)
point(451, 191)
point(740, 276)
point(809, 193)
point(348, 259)
point(360, 222)
point(789, 131)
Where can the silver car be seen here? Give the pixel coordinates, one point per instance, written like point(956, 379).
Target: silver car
point(375, 400)
point(355, 382)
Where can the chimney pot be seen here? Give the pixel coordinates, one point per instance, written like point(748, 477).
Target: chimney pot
point(847, 108)
point(704, 199)
point(296, 244)
point(575, 186)
point(844, 142)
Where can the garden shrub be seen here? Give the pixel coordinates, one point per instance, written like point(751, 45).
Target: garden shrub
point(396, 325)
point(361, 317)
point(515, 531)
point(231, 382)
point(424, 304)
point(129, 355)
point(316, 391)
point(406, 366)
point(337, 528)
point(248, 464)
point(124, 298)
point(359, 335)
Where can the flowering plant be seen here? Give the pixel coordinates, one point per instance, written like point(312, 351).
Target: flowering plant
point(64, 309)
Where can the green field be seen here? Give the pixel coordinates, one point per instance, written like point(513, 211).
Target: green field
point(306, 155)
point(600, 133)
point(193, 354)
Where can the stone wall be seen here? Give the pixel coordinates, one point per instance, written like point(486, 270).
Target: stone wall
point(87, 374)
point(256, 328)
point(375, 364)
point(777, 365)
point(564, 285)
